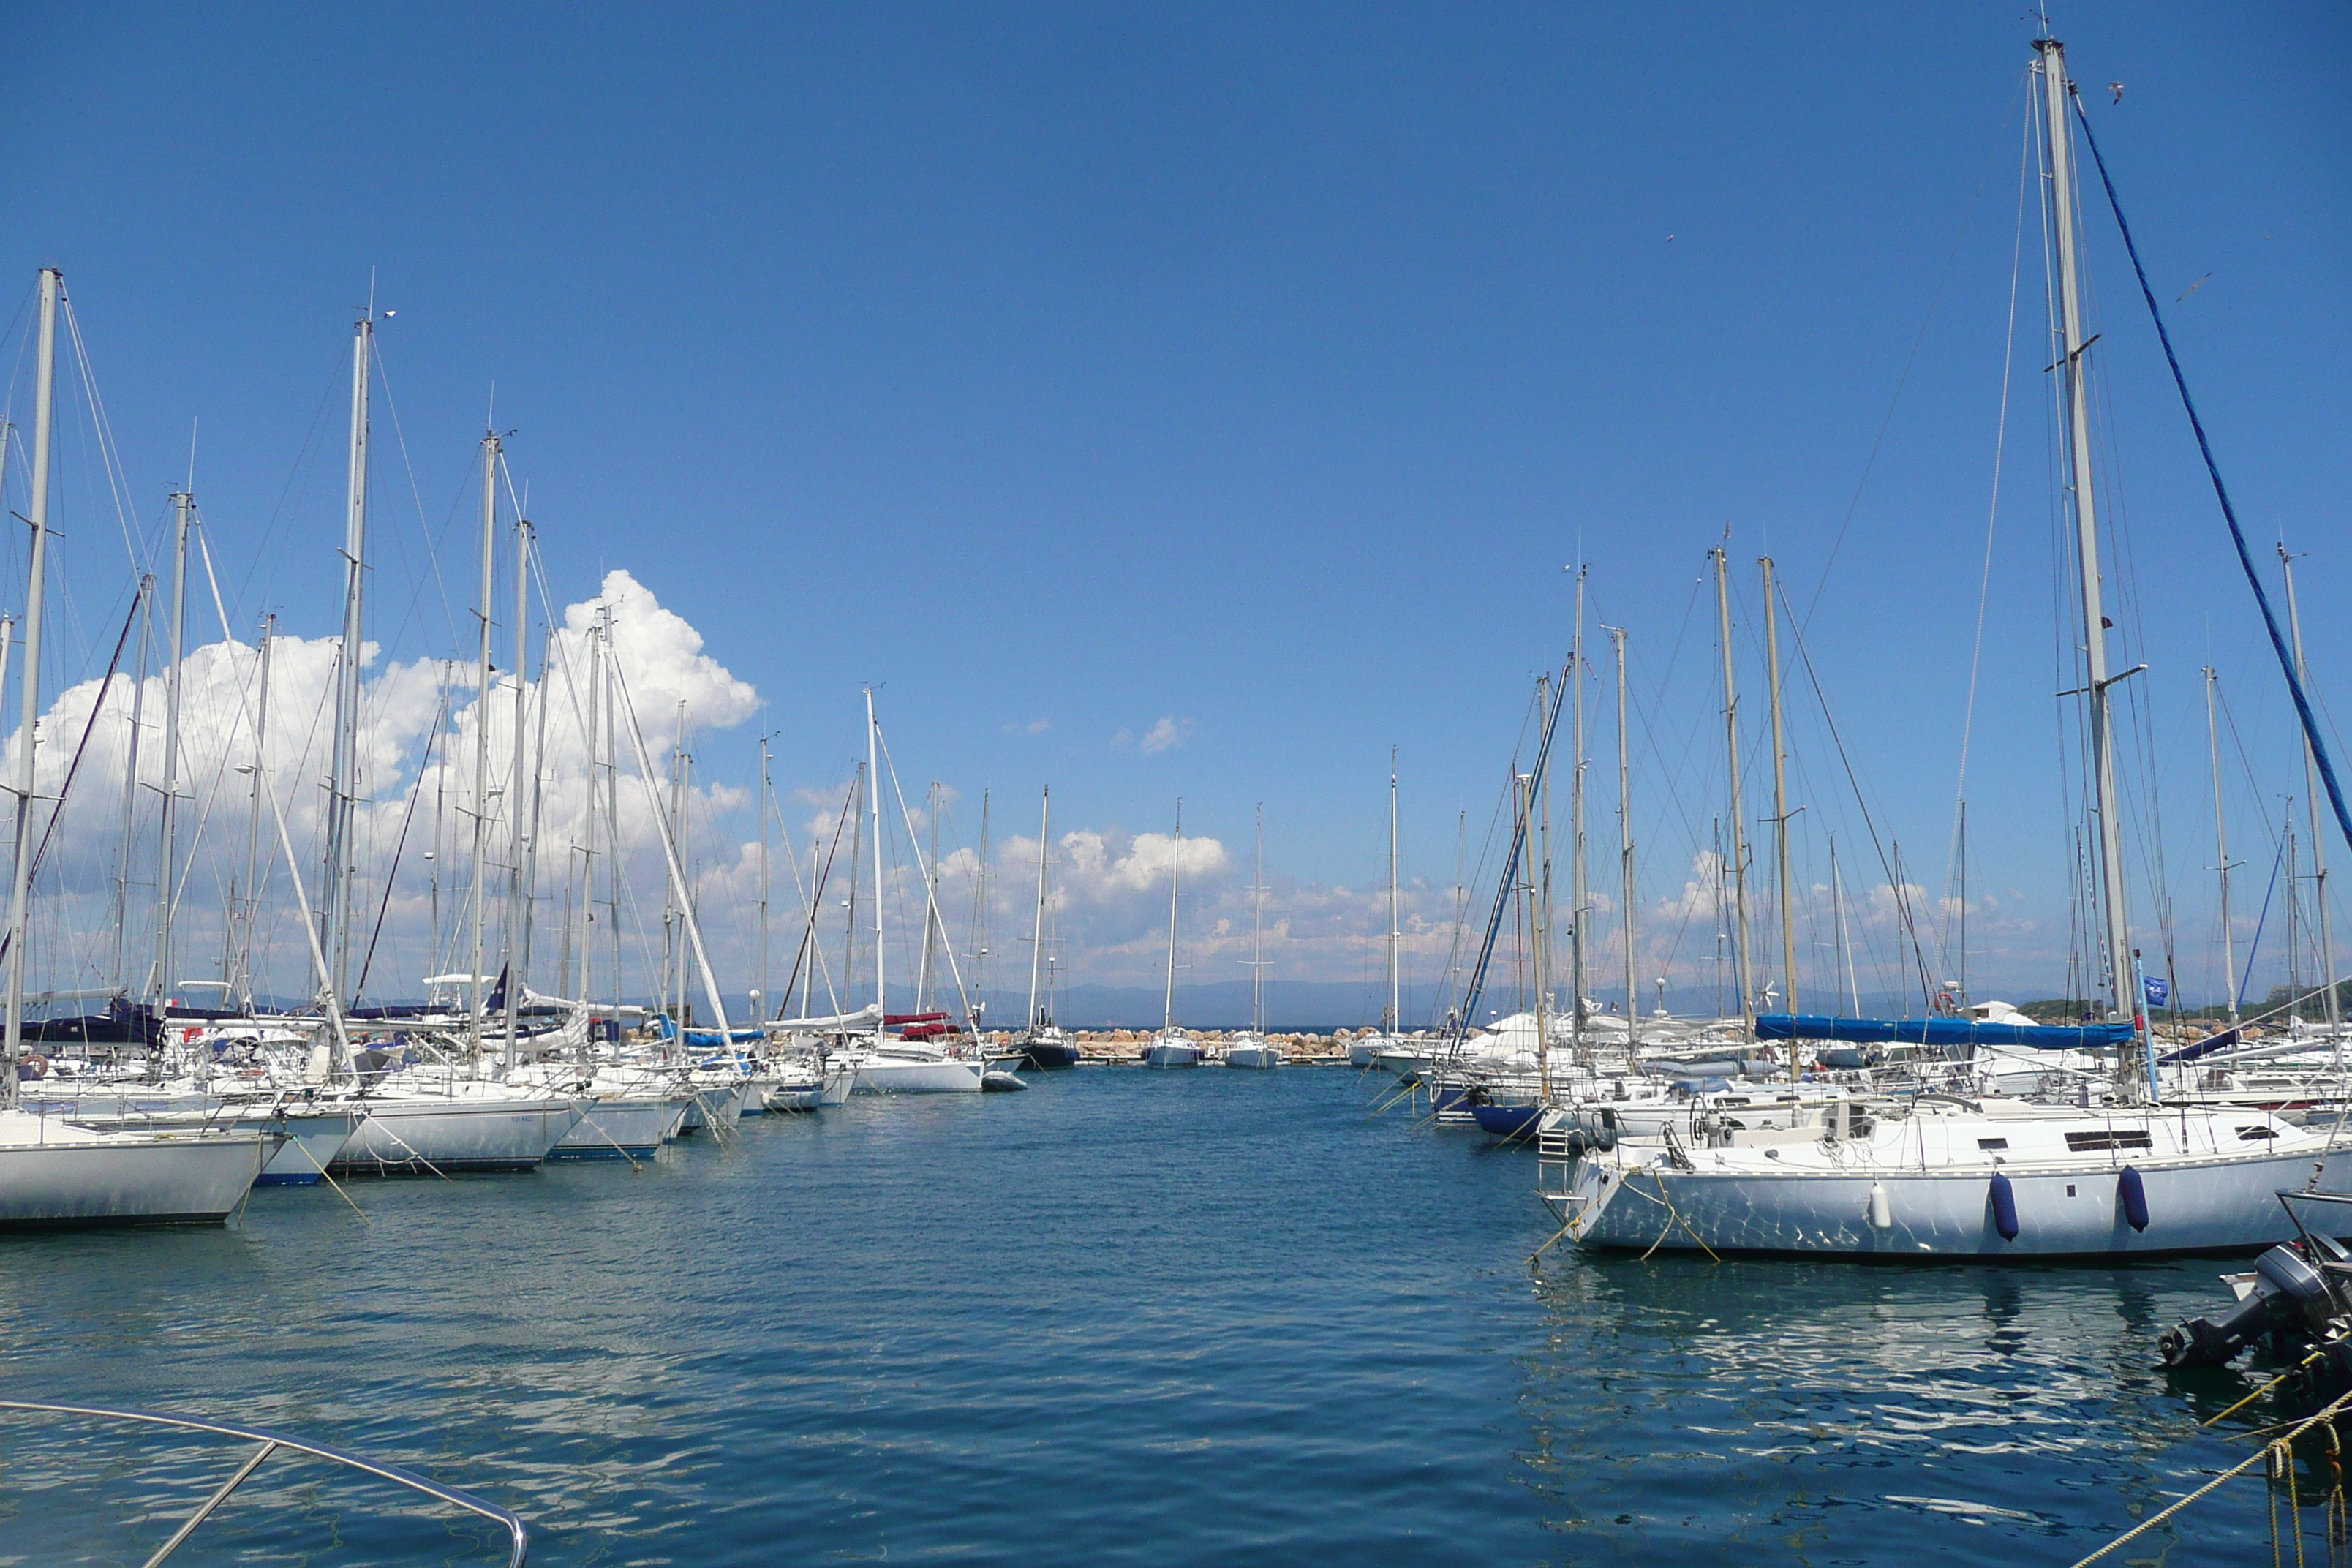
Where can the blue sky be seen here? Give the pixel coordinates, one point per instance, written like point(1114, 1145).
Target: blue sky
point(1248, 375)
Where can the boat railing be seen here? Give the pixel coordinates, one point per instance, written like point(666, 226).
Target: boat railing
point(268, 1442)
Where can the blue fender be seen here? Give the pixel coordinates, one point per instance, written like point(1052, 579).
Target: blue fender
point(2004, 1206)
point(2132, 1192)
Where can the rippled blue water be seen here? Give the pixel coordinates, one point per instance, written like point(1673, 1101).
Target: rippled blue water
point(1128, 1316)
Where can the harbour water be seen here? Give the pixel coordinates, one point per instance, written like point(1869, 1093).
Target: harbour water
point(1126, 1317)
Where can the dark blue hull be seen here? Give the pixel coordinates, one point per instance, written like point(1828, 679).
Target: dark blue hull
point(1507, 1120)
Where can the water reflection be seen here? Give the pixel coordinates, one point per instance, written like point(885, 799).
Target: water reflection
point(1790, 1395)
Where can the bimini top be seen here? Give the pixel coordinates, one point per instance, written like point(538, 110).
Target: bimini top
point(1943, 1032)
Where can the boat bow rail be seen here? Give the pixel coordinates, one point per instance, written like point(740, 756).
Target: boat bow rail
point(270, 1442)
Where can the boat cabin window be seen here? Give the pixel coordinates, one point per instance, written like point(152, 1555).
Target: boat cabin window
point(2107, 1138)
point(2249, 1134)
point(1993, 1142)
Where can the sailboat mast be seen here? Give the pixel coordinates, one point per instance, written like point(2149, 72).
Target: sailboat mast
point(253, 820)
point(2318, 838)
point(518, 841)
point(1037, 929)
point(1780, 807)
point(593, 645)
point(1388, 1025)
point(183, 506)
point(925, 985)
point(1845, 946)
point(481, 734)
point(979, 920)
point(29, 706)
point(760, 1007)
point(2222, 844)
point(342, 780)
point(1257, 928)
point(1738, 810)
point(1523, 805)
point(144, 607)
point(1625, 843)
point(612, 795)
point(1579, 895)
point(874, 802)
point(2123, 964)
point(1175, 873)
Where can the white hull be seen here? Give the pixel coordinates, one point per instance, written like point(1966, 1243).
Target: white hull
point(1172, 1056)
point(58, 1176)
point(421, 1136)
point(1255, 1056)
point(306, 1140)
point(840, 1082)
point(314, 1139)
point(619, 1129)
point(1932, 1186)
point(798, 1095)
point(887, 1075)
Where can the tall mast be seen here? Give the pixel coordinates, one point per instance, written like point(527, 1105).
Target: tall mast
point(595, 650)
point(253, 822)
point(517, 829)
point(613, 794)
point(1845, 947)
point(1625, 843)
point(490, 449)
point(1175, 873)
point(144, 607)
point(2221, 841)
point(531, 832)
point(849, 904)
point(1780, 809)
point(1388, 1025)
point(439, 854)
point(1580, 896)
point(874, 802)
point(2318, 838)
point(925, 985)
point(29, 707)
point(760, 1006)
point(1037, 930)
point(1523, 805)
point(1738, 810)
point(183, 506)
point(1539, 801)
point(1257, 928)
point(2123, 971)
point(342, 779)
point(978, 919)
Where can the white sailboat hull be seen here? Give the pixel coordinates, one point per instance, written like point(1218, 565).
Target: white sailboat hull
point(2218, 1204)
point(61, 1177)
point(889, 1074)
point(422, 1136)
point(619, 1129)
point(1255, 1056)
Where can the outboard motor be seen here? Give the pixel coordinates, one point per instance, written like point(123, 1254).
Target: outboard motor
point(2288, 1294)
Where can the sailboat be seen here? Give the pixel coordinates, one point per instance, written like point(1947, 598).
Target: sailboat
point(2116, 1174)
point(922, 1063)
point(1042, 1043)
point(1171, 1047)
point(1251, 1048)
point(52, 1172)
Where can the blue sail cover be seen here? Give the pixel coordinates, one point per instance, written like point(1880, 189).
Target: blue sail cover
point(1942, 1032)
